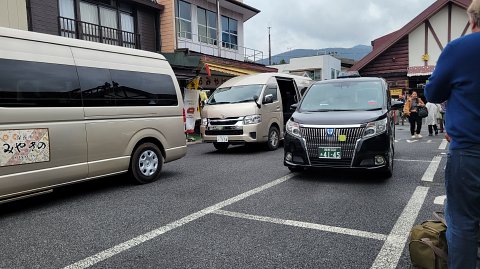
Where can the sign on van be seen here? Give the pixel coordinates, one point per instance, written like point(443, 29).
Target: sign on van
point(24, 146)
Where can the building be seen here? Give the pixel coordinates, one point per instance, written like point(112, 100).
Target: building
point(320, 67)
point(202, 37)
point(407, 57)
point(13, 14)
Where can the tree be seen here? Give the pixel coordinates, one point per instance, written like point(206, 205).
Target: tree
point(283, 61)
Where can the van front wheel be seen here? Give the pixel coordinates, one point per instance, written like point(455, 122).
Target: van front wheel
point(273, 138)
point(146, 163)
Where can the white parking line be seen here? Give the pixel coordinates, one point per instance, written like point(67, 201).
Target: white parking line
point(432, 169)
point(443, 145)
point(101, 256)
point(393, 248)
point(306, 225)
point(420, 161)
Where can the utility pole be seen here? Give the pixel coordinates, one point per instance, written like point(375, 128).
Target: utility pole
point(269, 47)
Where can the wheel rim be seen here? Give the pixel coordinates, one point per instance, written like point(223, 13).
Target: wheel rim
point(148, 163)
point(274, 139)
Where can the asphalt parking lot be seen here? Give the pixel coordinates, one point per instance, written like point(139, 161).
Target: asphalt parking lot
point(238, 209)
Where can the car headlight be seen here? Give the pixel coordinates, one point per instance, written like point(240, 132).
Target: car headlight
point(293, 128)
point(252, 119)
point(204, 121)
point(375, 128)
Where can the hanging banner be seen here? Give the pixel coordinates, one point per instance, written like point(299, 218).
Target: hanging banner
point(191, 112)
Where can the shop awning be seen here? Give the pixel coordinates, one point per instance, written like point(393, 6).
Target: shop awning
point(230, 70)
point(416, 71)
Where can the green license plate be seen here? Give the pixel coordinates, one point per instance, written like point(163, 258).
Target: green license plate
point(329, 153)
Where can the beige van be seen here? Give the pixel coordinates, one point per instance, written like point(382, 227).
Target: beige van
point(72, 110)
point(251, 109)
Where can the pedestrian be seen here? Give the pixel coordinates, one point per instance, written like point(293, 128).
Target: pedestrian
point(440, 118)
point(410, 109)
point(456, 78)
point(431, 119)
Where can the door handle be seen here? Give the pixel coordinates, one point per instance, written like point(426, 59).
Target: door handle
point(278, 107)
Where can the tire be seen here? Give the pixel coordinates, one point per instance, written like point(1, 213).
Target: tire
point(220, 146)
point(295, 169)
point(388, 171)
point(273, 138)
point(146, 163)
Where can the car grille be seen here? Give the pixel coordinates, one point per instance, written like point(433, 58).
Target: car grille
point(317, 137)
point(226, 121)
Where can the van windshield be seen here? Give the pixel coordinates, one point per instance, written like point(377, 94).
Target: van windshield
point(235, 94)
point(344, 96)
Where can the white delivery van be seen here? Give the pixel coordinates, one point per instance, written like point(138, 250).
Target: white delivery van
point(73, 110)
point(251, 109)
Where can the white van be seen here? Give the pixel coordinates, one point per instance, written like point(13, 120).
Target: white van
point(72, 110)
point(251, 109)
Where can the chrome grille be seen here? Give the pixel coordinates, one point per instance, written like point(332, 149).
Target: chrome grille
point(318, 137)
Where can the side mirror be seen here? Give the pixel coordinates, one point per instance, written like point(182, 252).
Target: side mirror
point(396, 105)
point(268, 99)
point(294, 107)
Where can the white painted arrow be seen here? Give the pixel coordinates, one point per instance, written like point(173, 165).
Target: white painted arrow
point(440, 200)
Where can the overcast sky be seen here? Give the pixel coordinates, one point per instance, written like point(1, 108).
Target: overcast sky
point(315, 24)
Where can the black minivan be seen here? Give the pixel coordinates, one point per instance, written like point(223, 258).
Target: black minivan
point(343, 123)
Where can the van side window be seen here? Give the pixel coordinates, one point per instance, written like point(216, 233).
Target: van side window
point(273, 91)
point(33, 84)
point(96, 86)
point(143, 89)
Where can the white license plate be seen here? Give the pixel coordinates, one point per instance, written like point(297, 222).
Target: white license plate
point(222, 138)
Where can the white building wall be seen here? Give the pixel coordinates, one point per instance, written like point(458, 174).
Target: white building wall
point(459, 21)
point(323, 62)
point(13, 14)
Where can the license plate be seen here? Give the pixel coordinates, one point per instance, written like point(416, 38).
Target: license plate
point(222, 138)
point(330, 153)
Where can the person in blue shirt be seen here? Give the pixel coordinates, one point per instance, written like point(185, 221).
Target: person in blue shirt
point(456, 78)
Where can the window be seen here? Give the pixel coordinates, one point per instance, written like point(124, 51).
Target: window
point(184, 19)
point(96, 86)
point(128, 28)
point(333, 74)
point(207, 26)
point(143, 89)
point(229, 33)
point(32, 84)
point(317, 74)
point(273, 91)
point(67, 12)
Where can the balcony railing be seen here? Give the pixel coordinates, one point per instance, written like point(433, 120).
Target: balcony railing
point(97, 33)
point(207, 45)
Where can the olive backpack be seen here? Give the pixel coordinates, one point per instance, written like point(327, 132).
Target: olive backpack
point(428, 244)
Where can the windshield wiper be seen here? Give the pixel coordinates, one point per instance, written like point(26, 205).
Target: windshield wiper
point(219, 103)
point(374, 109)
point(329, 110)
point(243, 101)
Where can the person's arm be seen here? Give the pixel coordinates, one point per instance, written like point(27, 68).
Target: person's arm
point(438, 87)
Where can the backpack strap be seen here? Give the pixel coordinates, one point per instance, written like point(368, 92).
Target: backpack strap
point(440, 216)
point(439, 252)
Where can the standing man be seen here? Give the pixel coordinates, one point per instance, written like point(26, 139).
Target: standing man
point(457, 79)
